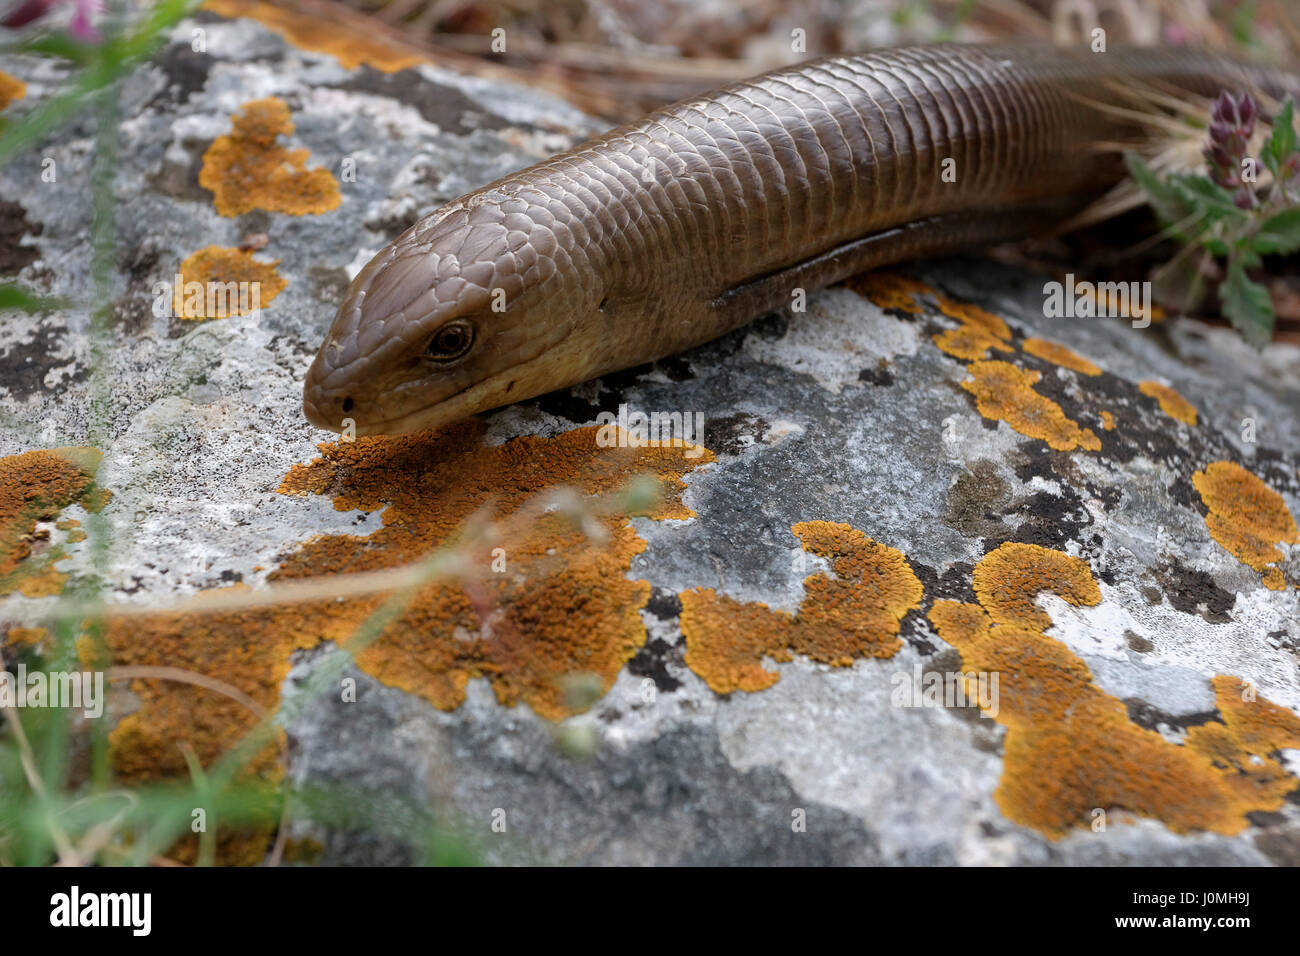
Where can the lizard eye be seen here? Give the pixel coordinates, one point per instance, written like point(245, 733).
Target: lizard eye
point(451, 341)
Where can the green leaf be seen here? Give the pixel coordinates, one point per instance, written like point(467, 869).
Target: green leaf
point(1201, 194)
point(1281, 143)
point(1247, 306)
point(1168, 207)
point(1244, 24)
point(1248, 257)
point(1279, 234)
point(62, 45)
point(12, 297)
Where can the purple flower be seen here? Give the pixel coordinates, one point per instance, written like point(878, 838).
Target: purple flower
point(1232, 122)
point(81, 27)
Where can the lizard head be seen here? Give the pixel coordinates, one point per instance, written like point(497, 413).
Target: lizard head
point(460, 314)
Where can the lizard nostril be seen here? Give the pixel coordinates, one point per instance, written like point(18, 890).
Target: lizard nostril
point(347, 404)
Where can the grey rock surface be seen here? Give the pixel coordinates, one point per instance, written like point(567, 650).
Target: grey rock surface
point(846, 413)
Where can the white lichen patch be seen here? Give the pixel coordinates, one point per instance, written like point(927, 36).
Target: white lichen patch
point(838, 338)
point(1182, 642)
point(912, 774)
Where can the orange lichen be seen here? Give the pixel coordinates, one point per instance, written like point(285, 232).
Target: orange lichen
point(974, 316)
point(26, 636)
point(1070, 747)
point(248, 169)
point(1107, 420)
point(11, 88)
point(979, 331)
point(552, 604)
point(1004, 392)
point(320, 32)
point(1058, 354)
point(853, 615)
point(968, 343)
point(218, 282)
point(889, 290)
point(1008, 579)
point(1247, 517)
point(566, 605)
point(34, 487)
point(1171, 403)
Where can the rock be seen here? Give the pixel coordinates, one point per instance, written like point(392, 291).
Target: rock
point(910, 481)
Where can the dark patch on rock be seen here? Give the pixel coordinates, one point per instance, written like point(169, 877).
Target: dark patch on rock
point(1265, 818)
point(445, 106)
point(1140, 427)
point(943, 662)
point(664, 604)
point(915, 629)
point(1107, 575)
point(953, 583)
point(1182, 491)
point(180, 180)
point(1136, 642)
point(135, 587)
point(974, 500)
point(186, 72)
point(676, 368)
point(1151, 717)
point(652, 661)
point(879, 376)
point(1195, 592)
point(610, 390)
point(133, 310)
point(392, 224)
point(1050, 521)
point(772, 326)
point(1285, 641)
point(732, 434)
point(564, 403)
point(1152, 595)
point(24, 366)
point(1280, 844)
point(616, 384)
point(14, 256)
point(1276, 470)
point(255, 222)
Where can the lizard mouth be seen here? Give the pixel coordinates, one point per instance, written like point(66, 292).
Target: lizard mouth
point(513, 384)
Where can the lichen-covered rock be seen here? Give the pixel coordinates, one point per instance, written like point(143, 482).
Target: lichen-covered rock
point(954, 582)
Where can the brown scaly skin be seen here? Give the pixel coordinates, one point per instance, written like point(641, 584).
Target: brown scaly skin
point(668, 232)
